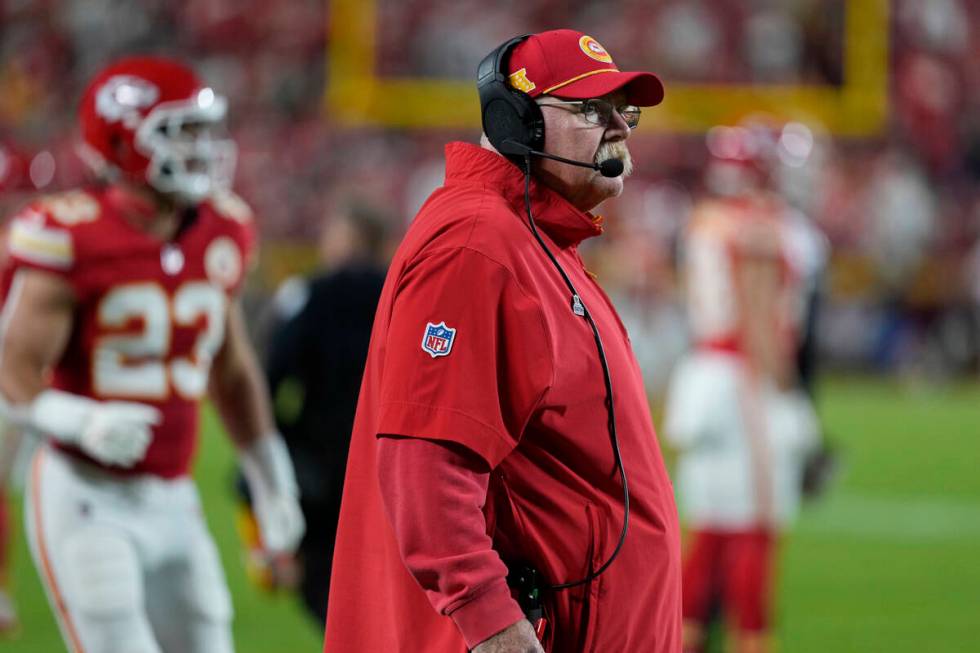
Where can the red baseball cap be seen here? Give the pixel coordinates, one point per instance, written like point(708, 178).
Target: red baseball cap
point(573, 65)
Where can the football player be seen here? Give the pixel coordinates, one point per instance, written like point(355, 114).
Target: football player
point(734, 408)
point(121, 316)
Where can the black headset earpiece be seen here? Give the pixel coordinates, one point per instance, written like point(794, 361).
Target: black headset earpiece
point(508, 115)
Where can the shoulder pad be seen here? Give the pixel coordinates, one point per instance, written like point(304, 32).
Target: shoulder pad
point(69, 208)
point(41, 233)
point(709, 217)
point(229, 205)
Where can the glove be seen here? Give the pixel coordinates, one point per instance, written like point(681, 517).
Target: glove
point(819, 470)
point(111, 432)
point(281, 522)
point(275, 494)
point(269, 571)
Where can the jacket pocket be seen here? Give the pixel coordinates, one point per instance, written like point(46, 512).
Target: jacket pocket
point(593, 589)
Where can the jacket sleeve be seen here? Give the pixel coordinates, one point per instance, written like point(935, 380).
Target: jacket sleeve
point(434, 494)
point(496, 364)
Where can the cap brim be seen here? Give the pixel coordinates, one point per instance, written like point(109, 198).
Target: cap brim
point(642, 89)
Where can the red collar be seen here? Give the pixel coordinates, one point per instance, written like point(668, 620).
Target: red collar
point(565, 225)
point(131, 207)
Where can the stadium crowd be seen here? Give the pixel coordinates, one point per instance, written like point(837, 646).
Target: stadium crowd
point(901, 211)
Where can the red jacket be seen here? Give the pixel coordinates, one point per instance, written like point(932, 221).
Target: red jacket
point(475, 344)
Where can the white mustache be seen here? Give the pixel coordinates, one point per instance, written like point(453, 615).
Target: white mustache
point(616, 150)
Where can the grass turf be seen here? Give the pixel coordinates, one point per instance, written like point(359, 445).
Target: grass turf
point(888, 561)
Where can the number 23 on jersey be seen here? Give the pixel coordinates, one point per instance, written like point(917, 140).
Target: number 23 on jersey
point(140, 364)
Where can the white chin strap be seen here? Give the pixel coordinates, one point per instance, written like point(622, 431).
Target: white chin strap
point(188, 168)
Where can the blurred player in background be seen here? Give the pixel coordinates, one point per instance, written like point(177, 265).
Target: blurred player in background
point(121, 314)
point(735, 409)
point(317, 347)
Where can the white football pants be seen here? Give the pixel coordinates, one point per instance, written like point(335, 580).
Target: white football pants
point(128, 564)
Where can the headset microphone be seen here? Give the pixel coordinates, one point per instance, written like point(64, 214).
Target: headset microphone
point(607, 168)
point(611, 167)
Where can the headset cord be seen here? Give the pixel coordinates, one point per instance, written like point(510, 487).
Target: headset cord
point(578, 307)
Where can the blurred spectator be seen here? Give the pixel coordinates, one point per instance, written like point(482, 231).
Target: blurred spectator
point(14, 166)
point(773, 45)
point(315, 362)
point(690, 40)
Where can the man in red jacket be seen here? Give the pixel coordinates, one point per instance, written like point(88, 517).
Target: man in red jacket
point(482, 431)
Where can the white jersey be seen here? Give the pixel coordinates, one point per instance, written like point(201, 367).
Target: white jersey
point(722, 237)
point(743, 443)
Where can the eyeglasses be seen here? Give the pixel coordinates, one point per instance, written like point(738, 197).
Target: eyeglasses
point(600, 112)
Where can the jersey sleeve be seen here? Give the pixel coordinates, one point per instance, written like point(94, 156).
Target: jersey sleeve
point(247, 238)
point(467, 357)
point(44, 235)
point(36, 239)
point(239, 223)
point(707, 271)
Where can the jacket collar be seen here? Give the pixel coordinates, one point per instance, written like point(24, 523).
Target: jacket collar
point(553, 214)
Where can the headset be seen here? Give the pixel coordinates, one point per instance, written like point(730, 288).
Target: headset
point(512, 120)
point(514, 125)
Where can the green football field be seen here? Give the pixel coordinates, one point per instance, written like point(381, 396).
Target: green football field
point(888, 561)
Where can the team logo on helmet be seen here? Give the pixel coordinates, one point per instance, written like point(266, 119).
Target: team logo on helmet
point(223, 262)
point(438, 339)
point(592, 48)
point(123, 97)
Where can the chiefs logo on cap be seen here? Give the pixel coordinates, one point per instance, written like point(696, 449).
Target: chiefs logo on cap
point(592, 48)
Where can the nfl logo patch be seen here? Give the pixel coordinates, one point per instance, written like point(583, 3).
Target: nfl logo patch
point(438, 339)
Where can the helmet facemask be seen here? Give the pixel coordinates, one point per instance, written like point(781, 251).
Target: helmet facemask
point(186, 158)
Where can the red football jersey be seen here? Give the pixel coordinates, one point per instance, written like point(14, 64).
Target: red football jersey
point(150, 314)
